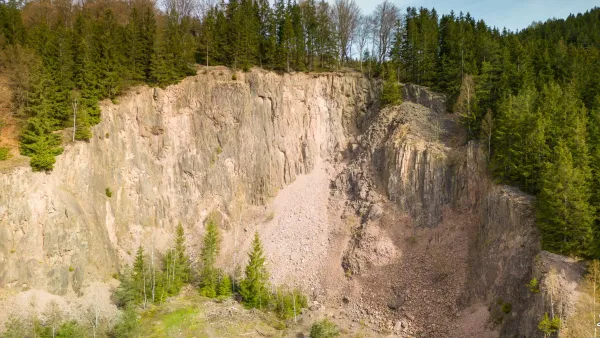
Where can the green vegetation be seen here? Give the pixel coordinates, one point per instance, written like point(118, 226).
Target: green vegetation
point(151, 282)
point(391, 93)
point(191, 315)
point(533, 285)
point(18, 328)
point(108, 192)
point(127, 324)
point(549, 326)
point(63, 60)
point(254, 287)
point(148, 282)
point(4, 153)
point(532, 97)
point(506, 308)
point(324, 329)
point(210, 277)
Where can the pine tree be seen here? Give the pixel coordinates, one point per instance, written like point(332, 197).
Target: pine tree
point(176, 265)
point(210, 250)
point(110, 55)
point(224, 287)
point(254, 287)
point(565, 216)
point(126, 293)
point(140, 278)
point(183, 261)
point(594, 146)
point(40, 143)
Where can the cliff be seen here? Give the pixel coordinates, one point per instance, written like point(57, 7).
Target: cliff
point(386, 215)
point(464, 243)
point(169, 156)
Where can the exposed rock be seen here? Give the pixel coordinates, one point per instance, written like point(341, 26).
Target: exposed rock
point(409, 152)
point(172, 155)
point(421, 220)
point(425, 97)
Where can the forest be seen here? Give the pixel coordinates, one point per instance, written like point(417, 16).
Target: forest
point(532, 97)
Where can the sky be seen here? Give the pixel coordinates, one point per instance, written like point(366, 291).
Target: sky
point(512, 14)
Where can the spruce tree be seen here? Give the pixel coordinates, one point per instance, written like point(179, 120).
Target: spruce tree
point(208, 255)
point(40, 143)
point(140, 278)
point(176, 265)
point(254, 287)
point(564, 214)
point(224, 287)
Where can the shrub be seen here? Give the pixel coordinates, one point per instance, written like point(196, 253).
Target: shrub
point(391, 93)
point(127, 324)
point(549, 326)
point(234, 77)
point(4, 153)
point(324, 329)
point(289, 303)
point(533, 285)
point(108, 192)
point(224, 287)
point(506, 308)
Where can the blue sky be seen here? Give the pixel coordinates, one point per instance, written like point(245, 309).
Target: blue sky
point(512, 14)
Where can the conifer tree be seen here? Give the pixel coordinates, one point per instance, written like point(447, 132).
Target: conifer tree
point(224, 287)
point(176, 265)
point(254, 287)
point(210, 250)
point(140, 280)
point(40, 143)
point(565, 216)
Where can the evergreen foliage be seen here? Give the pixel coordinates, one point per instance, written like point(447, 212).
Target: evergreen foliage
point(127, 324)
point(532, 97)
point(391, 93)
point(224, 287)
point(209, 274)
point(288, 303)
point(565, 216)
point(549, 326)
point(254, 288)
point(145, 283)
point(324, 329)
point(523, 92)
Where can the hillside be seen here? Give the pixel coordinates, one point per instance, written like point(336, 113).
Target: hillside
point(343, 195)
point(400, 173)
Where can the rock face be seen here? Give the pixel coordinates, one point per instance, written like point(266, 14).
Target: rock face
point(482, 237)
point(435, 236)
point(169, 156)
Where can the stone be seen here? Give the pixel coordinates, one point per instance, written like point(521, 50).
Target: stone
point(173, 155)
point(376, 212)
point(398, 326)
point(395, 303)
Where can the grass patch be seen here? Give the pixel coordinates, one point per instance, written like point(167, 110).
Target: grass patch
point(191, 315)
point(176, 319)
